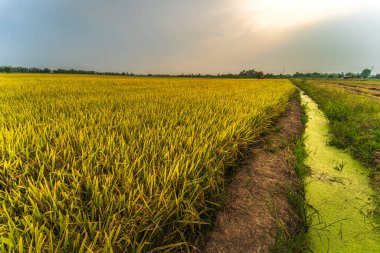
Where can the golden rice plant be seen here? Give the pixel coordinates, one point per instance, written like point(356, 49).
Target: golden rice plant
point(121, 164)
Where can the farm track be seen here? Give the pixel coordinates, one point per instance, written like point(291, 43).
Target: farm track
point(361, 89)
point(257, 204)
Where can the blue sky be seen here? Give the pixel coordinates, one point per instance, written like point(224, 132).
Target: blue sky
point(198, 36)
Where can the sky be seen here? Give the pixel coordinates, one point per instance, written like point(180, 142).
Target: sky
point(197, 36)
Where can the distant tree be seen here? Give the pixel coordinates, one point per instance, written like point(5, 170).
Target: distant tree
point(7, 69)
point(248, 73)
point(297, 74)
point(365, 73)
point(269, 75)
point(331, 75)
point(260, 75)
point(46, 70)
point(349, 75)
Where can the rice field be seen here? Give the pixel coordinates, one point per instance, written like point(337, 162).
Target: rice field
point(121, 164)
point(367, 87)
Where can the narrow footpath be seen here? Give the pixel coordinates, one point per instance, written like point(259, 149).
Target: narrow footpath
point(339, 193)
point(258, 205)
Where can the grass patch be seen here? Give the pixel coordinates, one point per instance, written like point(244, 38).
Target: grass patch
point(354, 119)
point(354, 123)
point(297, 241)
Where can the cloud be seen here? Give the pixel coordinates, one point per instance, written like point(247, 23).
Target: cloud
point(288, 14)
point(184, 36)
point(339, 45)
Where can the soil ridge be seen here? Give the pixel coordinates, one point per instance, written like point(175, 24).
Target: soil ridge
point(257, 204)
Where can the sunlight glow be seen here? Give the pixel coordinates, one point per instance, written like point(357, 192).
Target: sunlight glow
point(285, 14)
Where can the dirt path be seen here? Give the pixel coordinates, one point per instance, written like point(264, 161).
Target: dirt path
point(258, 204)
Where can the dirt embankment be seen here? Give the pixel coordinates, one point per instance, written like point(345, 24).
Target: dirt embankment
point(258, 204)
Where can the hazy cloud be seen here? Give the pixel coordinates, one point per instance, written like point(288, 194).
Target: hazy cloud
point(190, 36)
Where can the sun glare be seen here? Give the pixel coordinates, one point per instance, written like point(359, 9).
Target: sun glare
point(285, 14)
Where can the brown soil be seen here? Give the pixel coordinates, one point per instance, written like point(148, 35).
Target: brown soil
point(257, 204)
point(361, 89)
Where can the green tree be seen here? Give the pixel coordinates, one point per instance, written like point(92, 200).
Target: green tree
point(365, 73)
point(260, 74)
point(7, 69)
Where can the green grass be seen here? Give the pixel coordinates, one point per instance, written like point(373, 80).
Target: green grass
point(354, 119)
point(354, 123)
point(298, 240)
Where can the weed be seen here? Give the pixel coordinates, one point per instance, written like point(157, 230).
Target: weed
point(339, 165)
point(298, 240)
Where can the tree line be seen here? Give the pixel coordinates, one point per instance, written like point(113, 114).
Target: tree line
point(251, 73)
point(10, 69)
